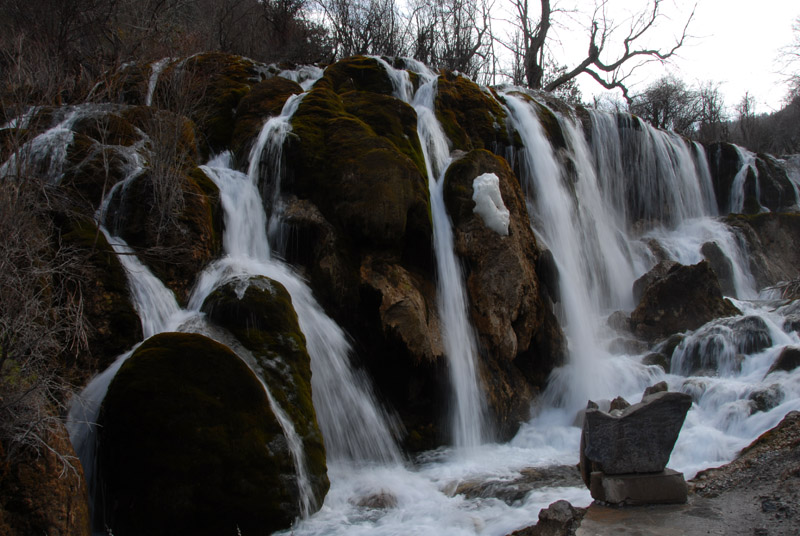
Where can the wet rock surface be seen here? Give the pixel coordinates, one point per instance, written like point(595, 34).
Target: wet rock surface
point(685, 298)
point(639, 439)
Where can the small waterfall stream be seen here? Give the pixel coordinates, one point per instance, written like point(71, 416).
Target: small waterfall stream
point(469, 406)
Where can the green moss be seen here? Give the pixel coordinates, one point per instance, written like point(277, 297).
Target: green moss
point(470, 118)
point(259, 313)
point(361, 181)
point(266, 99)
point(108, 129)
point(188, 444)
point(357, 73)
point(389, 118)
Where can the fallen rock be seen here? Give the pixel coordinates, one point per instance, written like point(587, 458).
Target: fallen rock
point(640, 440)
point(684, 299)
point(659, 387)
point(558, 519)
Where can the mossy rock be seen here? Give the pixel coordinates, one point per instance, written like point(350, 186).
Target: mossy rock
point(266, 99)
point(114, 324)
point(130, 83)
point(188, 444)
point(258, 311)
point(90, 172)
point(361, 181)
point(470, 118)
point(358, 73)
point(171, 135)
point(208, 88)
point(108, 129)
point(175, 251)
point(389, 118)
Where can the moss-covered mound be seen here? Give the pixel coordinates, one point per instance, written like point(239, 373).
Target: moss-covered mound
point(265, 100)
point(176, 244)
point(520, 339)
point(258, 312)
point(358, 73)
point(208, 88)
point(357, 157)
point(188, 445)
point(471, 118)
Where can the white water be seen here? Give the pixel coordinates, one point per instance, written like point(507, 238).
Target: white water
point(468, 411)
point(155, 72)
point(748, 164)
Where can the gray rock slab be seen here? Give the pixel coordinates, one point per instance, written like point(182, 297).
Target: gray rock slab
point(666, 487)
point(638, 440)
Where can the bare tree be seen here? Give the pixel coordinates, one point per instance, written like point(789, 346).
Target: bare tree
point(668, 104)
point(454, 35)
point(41, 315)
point(605, 56)
point(364, 26)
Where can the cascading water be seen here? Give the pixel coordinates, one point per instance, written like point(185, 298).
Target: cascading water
point(738, 193)
point(597, 204)
point(469, 406)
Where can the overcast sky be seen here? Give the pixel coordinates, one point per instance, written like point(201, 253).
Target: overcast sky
point(735, 43)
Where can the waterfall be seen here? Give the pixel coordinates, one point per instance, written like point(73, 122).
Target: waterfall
point(267, 151)
point(353, 423)
point(469, 406)
point(155, 72)
point(738, 193)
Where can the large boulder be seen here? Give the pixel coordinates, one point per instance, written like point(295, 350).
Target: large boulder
point(787, 360)
point(685, 299)
point(258, 311)
point(358, 209)
point(638, 439)
point(42, 491)
point(721, 265)
point(519, 336)
point(659, 271)
point(188, 444)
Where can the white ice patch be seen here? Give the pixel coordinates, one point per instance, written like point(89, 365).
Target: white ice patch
point(489, 203)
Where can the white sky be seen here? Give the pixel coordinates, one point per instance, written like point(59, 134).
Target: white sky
point(736, 43)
